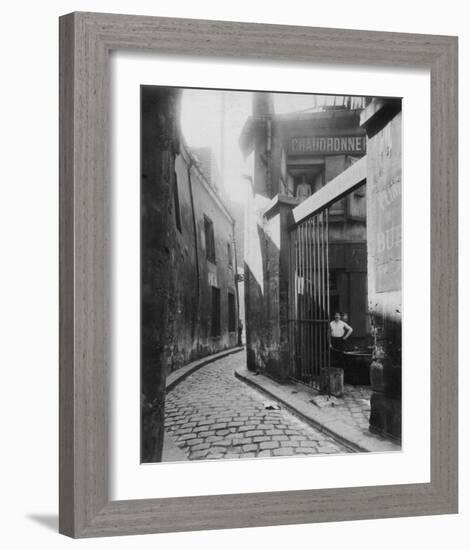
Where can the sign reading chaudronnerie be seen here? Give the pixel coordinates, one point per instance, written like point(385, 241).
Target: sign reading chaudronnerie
point(327, 145)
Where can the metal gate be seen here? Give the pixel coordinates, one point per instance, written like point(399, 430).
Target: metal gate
point(309, 302)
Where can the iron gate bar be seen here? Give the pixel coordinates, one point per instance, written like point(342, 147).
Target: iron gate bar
point(306, 300)
point(318, 329)
point(301, 305)
point(309, 310)
point(310, 327)
point(313, 309)
point(328, 313)
point(320, 297)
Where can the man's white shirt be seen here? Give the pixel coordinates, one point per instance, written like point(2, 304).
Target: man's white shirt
point(339, 328)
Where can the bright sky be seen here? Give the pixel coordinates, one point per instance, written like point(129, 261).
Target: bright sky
point(207, 115)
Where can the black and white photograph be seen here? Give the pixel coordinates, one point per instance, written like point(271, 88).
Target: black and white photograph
point(231, 260)
point(271, 275)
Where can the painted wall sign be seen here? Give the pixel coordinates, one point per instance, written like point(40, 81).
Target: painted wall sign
point(327, 145)
point(385, 196)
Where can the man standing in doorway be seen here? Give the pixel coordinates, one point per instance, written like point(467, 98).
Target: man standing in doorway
point(339, 332)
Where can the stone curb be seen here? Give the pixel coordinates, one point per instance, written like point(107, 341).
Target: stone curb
point(352, 438)
point(180, 374)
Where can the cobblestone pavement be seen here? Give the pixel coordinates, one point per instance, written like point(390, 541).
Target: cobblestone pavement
point(353, 407)
point(356, 401)
point(211, 414)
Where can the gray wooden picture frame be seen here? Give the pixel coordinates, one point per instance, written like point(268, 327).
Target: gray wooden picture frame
point(86, 40)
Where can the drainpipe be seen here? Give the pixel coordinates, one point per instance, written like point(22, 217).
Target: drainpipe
point(196, 250)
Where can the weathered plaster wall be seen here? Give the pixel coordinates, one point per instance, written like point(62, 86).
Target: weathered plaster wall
point(255, 281)
point(237, 210)
point(160, 144)
point(267, 289)
point(385, 271)
point(190, 298)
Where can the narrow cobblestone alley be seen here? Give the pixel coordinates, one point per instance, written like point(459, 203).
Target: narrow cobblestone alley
point(211, 415)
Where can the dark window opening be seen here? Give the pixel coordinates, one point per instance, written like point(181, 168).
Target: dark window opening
point(176, 202)
point(209, 237)
point(231, 312)
point(229, 254)
point(215, 313)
